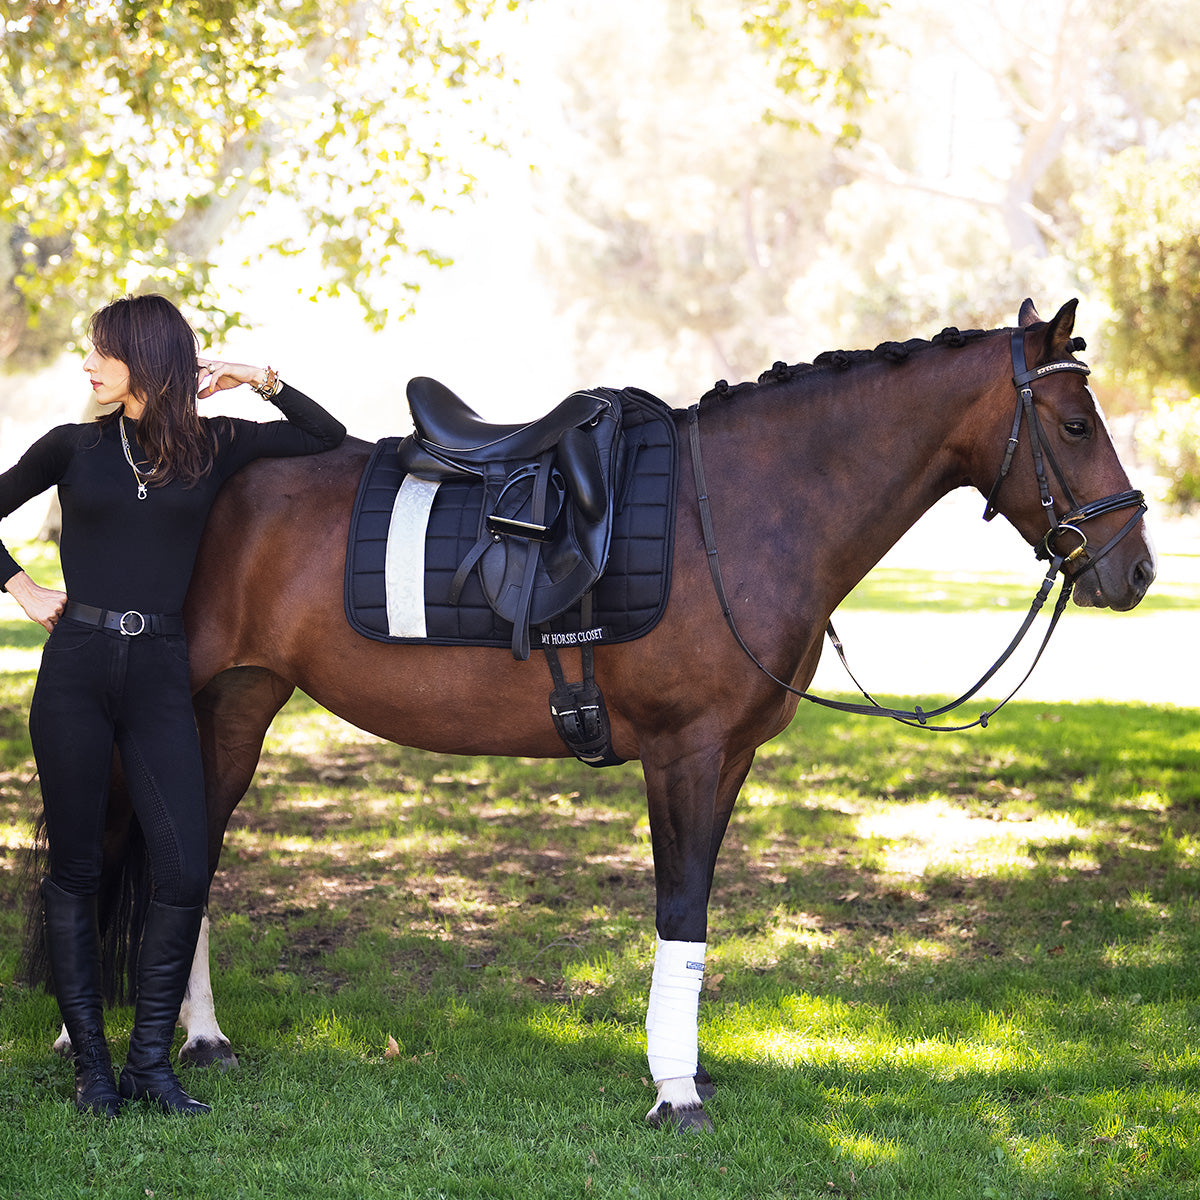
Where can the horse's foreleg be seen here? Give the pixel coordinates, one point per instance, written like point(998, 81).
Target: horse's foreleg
point(672, 1034)
point(690, 802)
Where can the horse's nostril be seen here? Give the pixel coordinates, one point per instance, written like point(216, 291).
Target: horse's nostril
point(1143, 574)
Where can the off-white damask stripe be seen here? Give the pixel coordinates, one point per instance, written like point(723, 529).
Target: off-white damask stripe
point(404, 563)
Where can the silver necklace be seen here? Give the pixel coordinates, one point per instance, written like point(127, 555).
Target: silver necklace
point(141, 483)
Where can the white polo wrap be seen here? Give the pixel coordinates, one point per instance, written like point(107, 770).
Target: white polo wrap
point(671, 1016)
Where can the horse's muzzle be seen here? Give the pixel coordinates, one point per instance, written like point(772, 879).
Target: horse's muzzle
point(1116, 581)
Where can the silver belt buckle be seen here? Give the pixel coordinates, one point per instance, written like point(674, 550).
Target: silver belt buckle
point(133, 612)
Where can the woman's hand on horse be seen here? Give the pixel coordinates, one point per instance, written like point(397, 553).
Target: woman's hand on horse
point(43, 605)
point(222, 375)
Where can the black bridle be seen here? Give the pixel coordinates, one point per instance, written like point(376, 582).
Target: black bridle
point(1069, 522)
point(1047, 548)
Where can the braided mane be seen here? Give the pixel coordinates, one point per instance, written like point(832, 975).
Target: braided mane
point(843, 360)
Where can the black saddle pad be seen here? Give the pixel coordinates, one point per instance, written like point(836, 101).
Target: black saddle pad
point(628, 599)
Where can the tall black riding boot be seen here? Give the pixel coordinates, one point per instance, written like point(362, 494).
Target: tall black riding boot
point(165, 961)
point(73, 947)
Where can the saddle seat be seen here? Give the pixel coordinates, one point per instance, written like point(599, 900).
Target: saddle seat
point(460, 441)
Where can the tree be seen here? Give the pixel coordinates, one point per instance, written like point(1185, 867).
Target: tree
point(818, 53)
point(1035, 99)
point(133, 133)
point(700, 150)
point(1141, 246)
point(931, 163)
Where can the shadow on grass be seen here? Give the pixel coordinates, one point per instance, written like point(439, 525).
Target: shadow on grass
point(924, 953)
point(530, 866)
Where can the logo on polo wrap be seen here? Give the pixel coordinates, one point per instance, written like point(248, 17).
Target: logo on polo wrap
point(695, 966)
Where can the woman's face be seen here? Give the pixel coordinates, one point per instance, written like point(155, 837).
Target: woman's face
point(110, 382)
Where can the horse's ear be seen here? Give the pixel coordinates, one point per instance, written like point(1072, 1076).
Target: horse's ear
point(1028, 314)
point(1058, 337)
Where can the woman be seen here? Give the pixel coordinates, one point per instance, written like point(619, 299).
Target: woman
point(135, 489)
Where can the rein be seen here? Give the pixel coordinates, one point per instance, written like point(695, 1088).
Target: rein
point(1023, 379)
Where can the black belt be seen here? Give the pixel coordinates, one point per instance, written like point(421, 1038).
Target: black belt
point(130, 623)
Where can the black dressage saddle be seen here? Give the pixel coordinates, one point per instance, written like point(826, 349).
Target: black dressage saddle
point(546, 516)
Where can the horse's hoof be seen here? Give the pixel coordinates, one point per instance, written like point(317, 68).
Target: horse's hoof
point(208, 1052)
point(682, 1120)
point(705, 1088)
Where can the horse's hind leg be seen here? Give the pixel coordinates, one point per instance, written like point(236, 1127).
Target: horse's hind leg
point(690, 798)
point(233, 712)
point(204, 1043)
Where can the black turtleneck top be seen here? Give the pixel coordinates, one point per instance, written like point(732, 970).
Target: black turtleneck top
point(122, 553)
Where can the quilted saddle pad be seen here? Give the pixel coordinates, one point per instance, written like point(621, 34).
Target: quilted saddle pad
point(408, 537)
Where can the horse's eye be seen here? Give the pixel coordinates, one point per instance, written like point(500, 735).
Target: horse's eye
point(1076, 429)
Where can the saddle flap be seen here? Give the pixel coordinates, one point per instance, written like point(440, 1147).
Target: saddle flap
point(548, 524)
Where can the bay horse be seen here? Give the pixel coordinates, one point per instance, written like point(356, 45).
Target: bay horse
point(813, 473)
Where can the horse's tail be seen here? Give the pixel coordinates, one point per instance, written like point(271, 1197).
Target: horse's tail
point(35, 965)
point(123, 902)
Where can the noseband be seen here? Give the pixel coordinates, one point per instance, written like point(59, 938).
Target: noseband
point(1069, 522)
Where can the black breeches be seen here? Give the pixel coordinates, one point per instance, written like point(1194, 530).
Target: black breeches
point(97, 688)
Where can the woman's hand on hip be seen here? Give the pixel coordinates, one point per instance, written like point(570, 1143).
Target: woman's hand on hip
point(43, 605)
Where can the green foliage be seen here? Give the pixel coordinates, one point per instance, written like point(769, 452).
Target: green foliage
point(1170, 438)
point(820, 55)
point(133, 134)
point(770, 179)
point(1141, 245)
point(702, 164)
point(938, 967)
point(909, 590)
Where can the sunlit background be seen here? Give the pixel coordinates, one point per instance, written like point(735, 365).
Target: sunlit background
point(650, 192)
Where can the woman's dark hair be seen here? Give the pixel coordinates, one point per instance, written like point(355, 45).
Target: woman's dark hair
point(153, 339)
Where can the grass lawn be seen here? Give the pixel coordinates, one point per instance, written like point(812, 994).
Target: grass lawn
point(953, 966)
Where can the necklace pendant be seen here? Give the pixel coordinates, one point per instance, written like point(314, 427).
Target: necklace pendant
point(141, 486)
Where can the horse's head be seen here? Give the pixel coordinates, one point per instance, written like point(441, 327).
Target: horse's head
point(1058, 479)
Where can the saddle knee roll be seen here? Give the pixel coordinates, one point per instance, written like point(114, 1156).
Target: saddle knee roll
point(583, 472)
